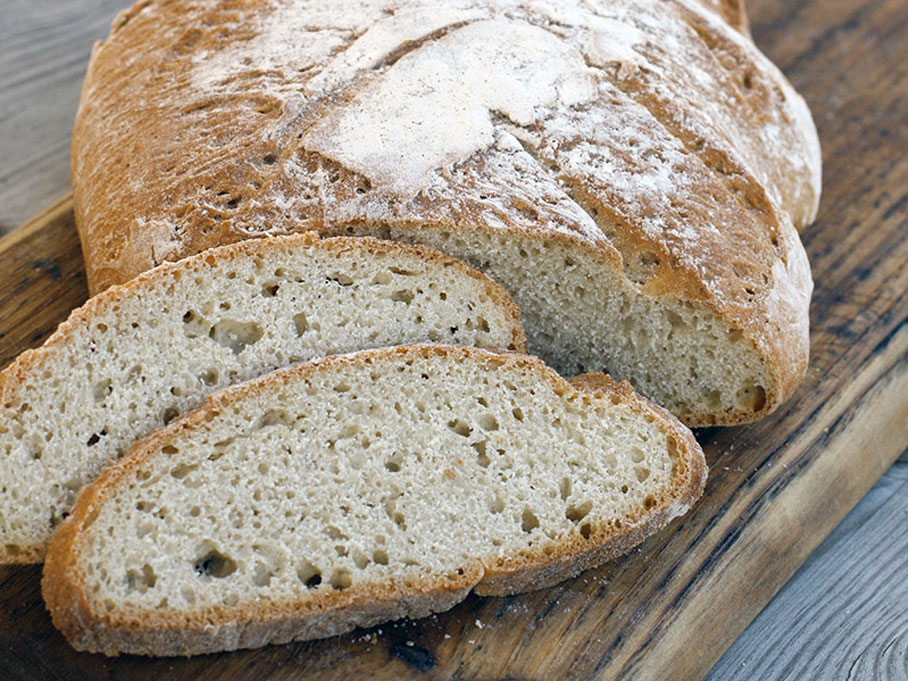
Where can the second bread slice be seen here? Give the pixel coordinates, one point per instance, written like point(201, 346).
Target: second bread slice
point(361, 488)
point(137, 355)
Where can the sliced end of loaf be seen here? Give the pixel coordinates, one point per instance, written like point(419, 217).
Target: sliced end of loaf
point(581, 313)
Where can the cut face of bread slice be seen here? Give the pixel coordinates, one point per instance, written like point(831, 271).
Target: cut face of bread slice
point(136, 356)
point(361, 488)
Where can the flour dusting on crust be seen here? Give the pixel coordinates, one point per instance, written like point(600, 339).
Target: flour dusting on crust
point(434, 106)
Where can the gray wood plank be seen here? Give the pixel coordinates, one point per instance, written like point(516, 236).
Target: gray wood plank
point(44, 49)
point(843, 614)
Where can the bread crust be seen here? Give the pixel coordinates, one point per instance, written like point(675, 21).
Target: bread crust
point(18, 371)
point(333, 612)
point(733, 11)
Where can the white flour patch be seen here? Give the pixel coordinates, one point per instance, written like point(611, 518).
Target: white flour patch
point(434, 106)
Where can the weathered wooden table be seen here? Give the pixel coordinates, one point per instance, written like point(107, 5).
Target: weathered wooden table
point(777, 488)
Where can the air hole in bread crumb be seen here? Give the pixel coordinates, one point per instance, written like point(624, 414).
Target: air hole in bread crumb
point(403, 296)
point(565, 488)
point(752, 398)
point(300, 322)
point(649, 502)
point(102, 389)
point(309, 575)
point(261, 574)
point(529, 521)
point(169, 415)
point(270, 289)
point(586, 530)
point(641, 472)
point(458, 426)
point(182, 470)
point(481, 457)
point(274, 417)
point(393, 464)
point(380, 557)
point(714, 398)
point(214, 564)
point(141, 580)
point(342, 279)
point(488, 422)
point(209, 376)
point(577, 512)
point(235, 335)
point(195, 325)
point(341, 579)
point(403, 272)
point(624, 489)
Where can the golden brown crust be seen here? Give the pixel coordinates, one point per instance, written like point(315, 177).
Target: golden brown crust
point(733, 11)
point(227, 628)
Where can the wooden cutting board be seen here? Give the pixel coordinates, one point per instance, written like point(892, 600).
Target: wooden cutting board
point(776, 488)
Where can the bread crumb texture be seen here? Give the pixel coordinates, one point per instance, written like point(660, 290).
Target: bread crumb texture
point(138, 355)
point(400, 478)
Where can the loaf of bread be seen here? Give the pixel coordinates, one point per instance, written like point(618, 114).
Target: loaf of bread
point(631, 171)
point(137, 355)
point(360, 488)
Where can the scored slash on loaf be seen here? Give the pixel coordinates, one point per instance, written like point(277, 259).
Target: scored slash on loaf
point(137, 355)
point(633, 172)
point(361, 488)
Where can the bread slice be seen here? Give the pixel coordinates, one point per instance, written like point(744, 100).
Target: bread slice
point(632, 171)
point(135, 356)
point(360, 488)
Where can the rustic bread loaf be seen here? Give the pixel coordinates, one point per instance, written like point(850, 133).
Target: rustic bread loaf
point(135, 356)
point(630, 171)
point(360, 488)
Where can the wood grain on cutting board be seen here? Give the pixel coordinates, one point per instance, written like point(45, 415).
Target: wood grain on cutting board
point(776, 488)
